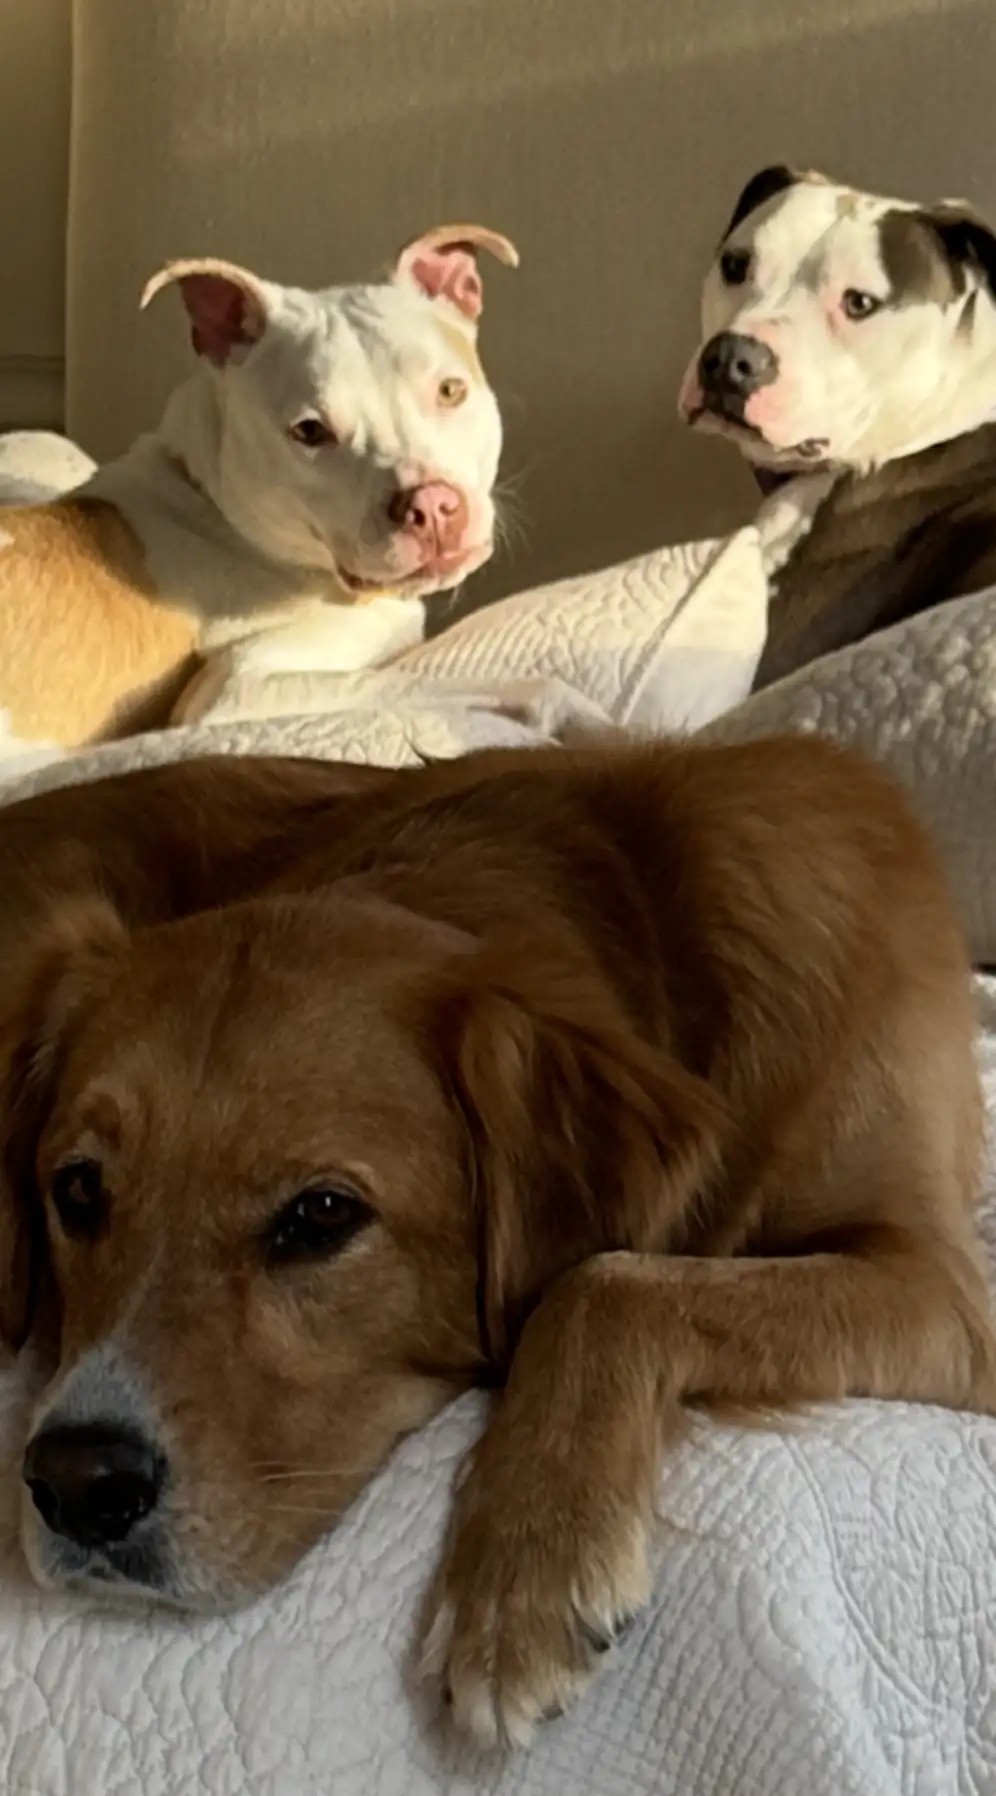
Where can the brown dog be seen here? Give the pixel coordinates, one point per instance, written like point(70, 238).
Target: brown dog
point(633, 1078)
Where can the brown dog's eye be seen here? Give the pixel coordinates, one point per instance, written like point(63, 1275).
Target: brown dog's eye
point(452, 391)
point(316, 1223)
point(312, 433)
point(733, 266)
point(859, 305)
point(79, 1198)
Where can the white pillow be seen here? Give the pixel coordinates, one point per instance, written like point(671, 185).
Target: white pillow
point(920, 699)
point(36, 465)
point(666, 641)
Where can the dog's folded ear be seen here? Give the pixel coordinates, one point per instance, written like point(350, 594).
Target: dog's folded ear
point(968, 241)
point(763, 187)
point(442, 264)
point(582, 1137)
point(58, 973)
point(227, 306)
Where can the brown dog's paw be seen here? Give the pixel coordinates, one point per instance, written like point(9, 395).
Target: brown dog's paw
point(537, 1584)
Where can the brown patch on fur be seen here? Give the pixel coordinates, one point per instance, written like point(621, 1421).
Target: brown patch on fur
point(919, 270)
point(764, 186)
point(709, 1133)
point(87, 650)
point(883, 547)
point(761, 188)
point(966, 239)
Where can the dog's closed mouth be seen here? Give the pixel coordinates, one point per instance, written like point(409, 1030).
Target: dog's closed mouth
point(444, 568)
point(810, 449)
point(712, 409)
point(356, 583)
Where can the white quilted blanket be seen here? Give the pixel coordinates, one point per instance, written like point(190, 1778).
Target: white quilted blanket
point(825, 1618)
point(824, 1625)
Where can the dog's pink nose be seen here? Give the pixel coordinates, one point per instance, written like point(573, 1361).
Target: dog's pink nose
point(434, 514)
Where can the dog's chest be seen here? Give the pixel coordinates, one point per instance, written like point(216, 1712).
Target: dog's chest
point(199, 565)
point(278, 618)
point(880, 548)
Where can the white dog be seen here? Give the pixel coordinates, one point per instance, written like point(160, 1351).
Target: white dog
point(330, 463)
point(844, 329)
point(852, 338)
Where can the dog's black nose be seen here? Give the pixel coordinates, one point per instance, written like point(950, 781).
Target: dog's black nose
point(734, 367)
point(92, 1484)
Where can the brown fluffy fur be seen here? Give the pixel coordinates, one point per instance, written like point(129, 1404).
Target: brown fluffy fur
point(655, 1064)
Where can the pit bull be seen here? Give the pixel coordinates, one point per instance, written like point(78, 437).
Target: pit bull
point(850, 339)
point(329, 464)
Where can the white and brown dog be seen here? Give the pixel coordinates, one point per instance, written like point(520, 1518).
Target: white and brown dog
point(854, 337)
point(329, 464)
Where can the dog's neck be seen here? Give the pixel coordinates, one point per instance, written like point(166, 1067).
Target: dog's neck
point(852, 553)
point(206, 558)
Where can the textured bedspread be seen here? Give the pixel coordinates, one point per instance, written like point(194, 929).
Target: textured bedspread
point(825, 1616)
point(824, 1625)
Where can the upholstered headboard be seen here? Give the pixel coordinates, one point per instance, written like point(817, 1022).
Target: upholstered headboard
point(610, 137)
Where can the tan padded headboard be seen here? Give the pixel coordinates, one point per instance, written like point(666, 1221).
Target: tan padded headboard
point(309, 138)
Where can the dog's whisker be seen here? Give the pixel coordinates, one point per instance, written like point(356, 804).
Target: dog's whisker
point(318, 1512)
point(321, 1476)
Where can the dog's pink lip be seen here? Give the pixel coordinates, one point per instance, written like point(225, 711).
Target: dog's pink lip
point(810, 452)
point(461, 560)
point(736, 426)
point(455, 561)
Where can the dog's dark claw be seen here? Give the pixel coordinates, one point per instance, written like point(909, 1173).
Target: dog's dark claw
point(596, 1638)
point(601, 1642)
point(447, 1696)
point(553, 1713)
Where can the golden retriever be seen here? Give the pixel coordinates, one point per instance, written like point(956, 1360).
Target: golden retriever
point(629, 1078)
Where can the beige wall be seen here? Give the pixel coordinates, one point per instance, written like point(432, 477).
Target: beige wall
point(309, 137)
point(34, 128)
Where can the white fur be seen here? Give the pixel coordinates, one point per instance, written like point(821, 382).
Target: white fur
point(867, 390)
point(368, 359)
point(252, 531)
point(283, 667)
point(786, 516)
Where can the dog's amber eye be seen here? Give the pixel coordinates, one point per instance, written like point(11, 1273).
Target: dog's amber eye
point(79, 1198)
point(859, 305)
point(316, 1223)
point(312, 433)
point(452, 391)
point(733, 266)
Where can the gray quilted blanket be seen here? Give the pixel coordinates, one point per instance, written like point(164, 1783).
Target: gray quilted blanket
point(824, 1622)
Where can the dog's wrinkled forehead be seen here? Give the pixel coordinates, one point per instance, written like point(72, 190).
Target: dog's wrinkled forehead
point(808, 233)
point(362, 341)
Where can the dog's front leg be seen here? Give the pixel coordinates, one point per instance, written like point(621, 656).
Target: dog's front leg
point(549, 1551)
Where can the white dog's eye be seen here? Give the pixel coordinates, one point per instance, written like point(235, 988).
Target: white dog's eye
point(733, 266)
point(312, 433)
point(452, 391)
point(859, 305)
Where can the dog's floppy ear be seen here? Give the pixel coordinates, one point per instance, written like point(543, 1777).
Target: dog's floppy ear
point(762, 187)
point(442, 264)
point(582, 1137)
point(57, 973)
point(227, 306)
point(967, 240)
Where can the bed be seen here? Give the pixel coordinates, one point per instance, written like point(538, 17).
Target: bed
point(825, 1613)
